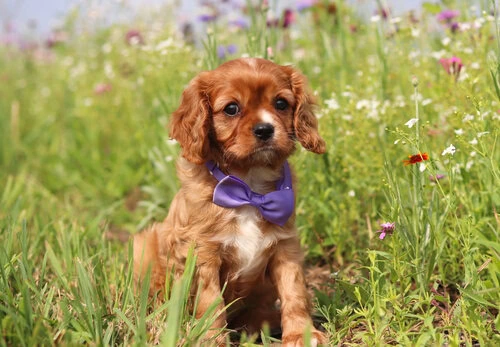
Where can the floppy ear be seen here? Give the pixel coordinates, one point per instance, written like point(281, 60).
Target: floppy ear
point(190, 123)
point(304, 121)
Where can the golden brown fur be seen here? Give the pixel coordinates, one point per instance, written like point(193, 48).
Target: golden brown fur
point(259, 262)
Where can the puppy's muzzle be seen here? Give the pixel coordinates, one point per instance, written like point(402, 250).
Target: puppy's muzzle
point(263, 131)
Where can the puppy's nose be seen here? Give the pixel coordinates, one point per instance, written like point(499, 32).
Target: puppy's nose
point(263, 131)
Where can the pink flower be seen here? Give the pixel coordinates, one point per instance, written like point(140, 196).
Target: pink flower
point(447, 15)
point(452, 65)
point(134, 37)
point(102, 88)
point(435, 178)
point(387, 228)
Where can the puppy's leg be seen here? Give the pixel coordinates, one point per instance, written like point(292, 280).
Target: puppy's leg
point(207, 276)
point(257, 309)
point(146, 257)
point(288, 277)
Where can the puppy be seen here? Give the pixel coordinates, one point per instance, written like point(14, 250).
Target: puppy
point(236, 126)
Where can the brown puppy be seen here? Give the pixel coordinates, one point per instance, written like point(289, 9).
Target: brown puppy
point(241, 119)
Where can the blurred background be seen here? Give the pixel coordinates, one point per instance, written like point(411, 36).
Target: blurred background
point(37, 19)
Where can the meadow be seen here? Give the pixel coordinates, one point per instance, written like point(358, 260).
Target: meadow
point(399, 220)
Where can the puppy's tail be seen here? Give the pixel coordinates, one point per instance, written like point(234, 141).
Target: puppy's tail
point(146, 257)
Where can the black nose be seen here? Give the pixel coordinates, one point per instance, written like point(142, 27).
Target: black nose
point(263, 131)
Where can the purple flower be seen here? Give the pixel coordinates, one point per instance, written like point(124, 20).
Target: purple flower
point(387, 229)
point(222, 50)
point(435, 178)
point(305, 4)
point(231, 49)
point(205, 18)
point(447, 15)
point(454, 27)
point(241, 23)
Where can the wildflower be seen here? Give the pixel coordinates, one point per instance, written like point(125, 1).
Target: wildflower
point(447, 16)
point(206, 18)
point(134, 37)
point(468, 118)
point(285, 22)
point(387, 229)
point(411, 122)
point(223, 50)
point(240, 23)
point(305, 4)
point(102, 88)
point(332, 104)
point(459, 132)
point(449, 150)
point(416, 158)
point(452, 65)
point(288, 18)
point(454, 27)
point(383, 13)
point(55, 38)
point(435, 178)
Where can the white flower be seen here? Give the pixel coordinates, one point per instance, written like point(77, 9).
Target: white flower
point(459, 132)
point(422, 167)
point(473, 141)
point(446, 41)
point(450, 150)
point(351, 193)
point(468, 165)
point(482, 134)
point(332, 104)
point(411, 122)
point(468, 117)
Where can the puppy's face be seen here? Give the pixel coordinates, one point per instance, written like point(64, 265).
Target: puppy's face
point(247, 112)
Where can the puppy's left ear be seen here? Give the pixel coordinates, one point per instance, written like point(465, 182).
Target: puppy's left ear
point(304, 121)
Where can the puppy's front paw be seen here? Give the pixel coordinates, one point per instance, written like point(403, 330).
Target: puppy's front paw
point(297, 340)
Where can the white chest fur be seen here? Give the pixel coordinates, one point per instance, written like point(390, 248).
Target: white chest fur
point(250, 243)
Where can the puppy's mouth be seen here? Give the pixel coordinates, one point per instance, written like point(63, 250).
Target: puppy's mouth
point(267, 153)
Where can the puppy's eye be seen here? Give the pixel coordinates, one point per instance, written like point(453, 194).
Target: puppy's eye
point(281, 104)
point(232, 109)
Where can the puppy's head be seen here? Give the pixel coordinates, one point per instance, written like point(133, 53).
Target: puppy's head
point(248, 111)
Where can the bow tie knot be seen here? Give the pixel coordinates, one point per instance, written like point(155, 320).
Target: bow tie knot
point(275, 207)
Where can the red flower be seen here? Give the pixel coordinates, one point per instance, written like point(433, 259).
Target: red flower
point(416, 158)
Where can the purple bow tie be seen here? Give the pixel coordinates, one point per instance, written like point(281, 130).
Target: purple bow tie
point(275, 207)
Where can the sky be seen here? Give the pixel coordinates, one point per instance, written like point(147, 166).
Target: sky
point(42, 15)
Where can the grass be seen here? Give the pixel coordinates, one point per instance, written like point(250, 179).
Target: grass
point(85, 161)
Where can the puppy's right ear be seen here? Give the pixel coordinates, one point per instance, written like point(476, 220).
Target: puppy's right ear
point(190, 123)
